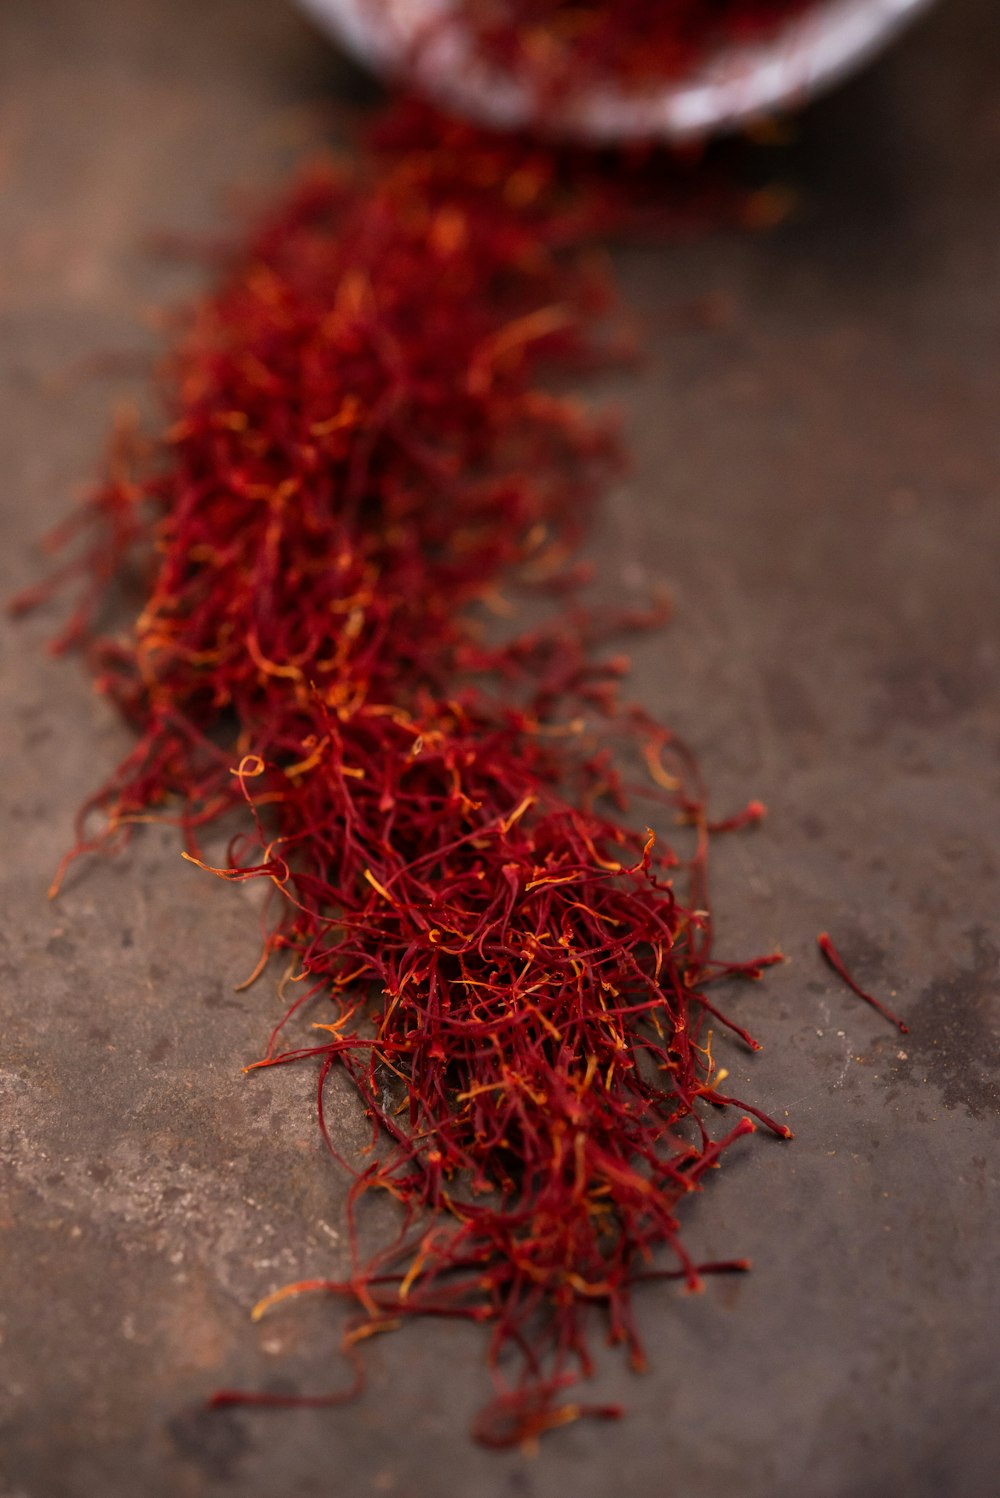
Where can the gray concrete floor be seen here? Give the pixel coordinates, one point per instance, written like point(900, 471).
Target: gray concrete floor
point(817, 476)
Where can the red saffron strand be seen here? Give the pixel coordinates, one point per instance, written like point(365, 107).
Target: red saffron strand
point(835, 960)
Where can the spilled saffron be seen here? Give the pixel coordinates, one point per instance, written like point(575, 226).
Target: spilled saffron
point(517, 976)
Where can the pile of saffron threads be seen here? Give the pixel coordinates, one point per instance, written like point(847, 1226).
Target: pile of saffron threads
point(562, 47)
point(518, 978)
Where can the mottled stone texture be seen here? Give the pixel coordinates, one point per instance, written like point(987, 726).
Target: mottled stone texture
point(816, 479)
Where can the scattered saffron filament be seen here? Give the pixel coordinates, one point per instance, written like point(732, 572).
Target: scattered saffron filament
point(835, 960)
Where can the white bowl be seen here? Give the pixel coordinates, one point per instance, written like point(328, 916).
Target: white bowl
point(427, 39)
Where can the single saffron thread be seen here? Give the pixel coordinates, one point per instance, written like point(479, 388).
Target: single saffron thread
point(835, 960)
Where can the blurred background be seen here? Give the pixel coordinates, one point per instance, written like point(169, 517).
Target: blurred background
point(816, 482)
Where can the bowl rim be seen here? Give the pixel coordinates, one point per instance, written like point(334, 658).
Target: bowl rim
point(738, 84)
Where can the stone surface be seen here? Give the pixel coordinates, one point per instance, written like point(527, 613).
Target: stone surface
point(816, 479)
